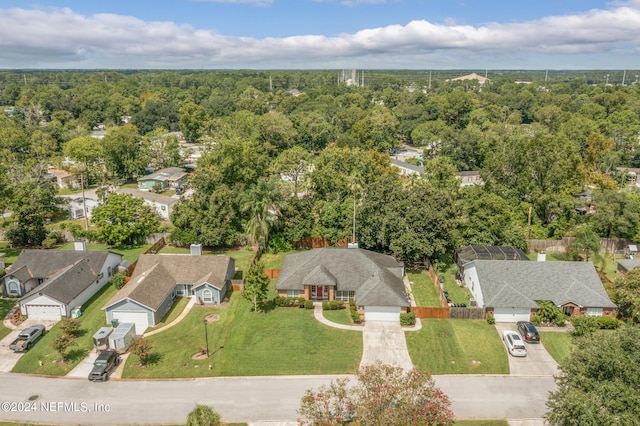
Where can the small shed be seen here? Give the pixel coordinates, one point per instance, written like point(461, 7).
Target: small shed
point(101, 338)
point(122, 336)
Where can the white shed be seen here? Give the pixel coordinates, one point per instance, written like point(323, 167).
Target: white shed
point(122, 336)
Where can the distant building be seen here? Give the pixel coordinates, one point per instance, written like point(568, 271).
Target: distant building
point(473, 76)
point(406, 169)
point(77, 207)
point(162, 204)
point(171, 177)
point(471, 177)
point(62, 178)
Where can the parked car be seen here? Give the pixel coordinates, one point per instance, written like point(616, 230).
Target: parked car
point(515, 345)
point(27, 338)
point(529, 332)
point(105, 363)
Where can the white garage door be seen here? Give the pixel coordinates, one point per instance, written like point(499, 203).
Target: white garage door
point(44, 312)
point(382, 313)
point(511, 314)
point(140, 319)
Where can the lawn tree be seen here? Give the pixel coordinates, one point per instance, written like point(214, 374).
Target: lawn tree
point(256, 285)
point(193, 120)
point(61, 343)
point(600, 381)
point(142, 347)
point(122, 152)
point(587, 242)
point(71, 326)
point(626, 294)
point(384, 395)
point(124, 219)
point(293, 163)
point(203, 415)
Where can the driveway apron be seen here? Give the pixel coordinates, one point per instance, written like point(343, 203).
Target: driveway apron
point(384, 341)
point(538, 362)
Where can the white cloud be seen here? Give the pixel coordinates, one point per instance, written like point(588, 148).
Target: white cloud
point(61, 38)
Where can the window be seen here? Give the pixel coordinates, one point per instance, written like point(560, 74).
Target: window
point(345, 295)
point(567, 310)
point(12, 287)
point(207, 296)
point(293, 293)
point(594, 312)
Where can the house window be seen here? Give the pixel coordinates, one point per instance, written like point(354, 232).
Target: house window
point(567, 310)
point(594, 312)
point(293, 293)
point(12, 288)
point(207, 296)
point(345, 295)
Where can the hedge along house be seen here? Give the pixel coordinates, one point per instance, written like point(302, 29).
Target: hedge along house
point(159, 278)
point(51, 283)
point(373, 280)
point(510, 290)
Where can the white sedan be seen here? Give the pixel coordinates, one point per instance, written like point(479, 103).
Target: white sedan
point(515, 345)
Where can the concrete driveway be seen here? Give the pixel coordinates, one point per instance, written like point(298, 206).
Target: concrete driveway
point(8, 358)
point(538, 362)
point(384, 341)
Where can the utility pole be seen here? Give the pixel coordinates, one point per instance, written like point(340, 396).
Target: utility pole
point(529, 223)
point(84, 202)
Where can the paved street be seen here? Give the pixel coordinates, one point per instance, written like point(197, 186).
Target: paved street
point(238, 399)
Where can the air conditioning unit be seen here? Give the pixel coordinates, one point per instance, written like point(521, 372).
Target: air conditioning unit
point(472, 302)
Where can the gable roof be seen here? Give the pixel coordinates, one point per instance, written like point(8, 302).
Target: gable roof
point(629, 264)
point(156, 275)
point(521, 284)
point(169, 173)
point(376, 278)
point(149, 196)
point(34, 263)
point(67, 273)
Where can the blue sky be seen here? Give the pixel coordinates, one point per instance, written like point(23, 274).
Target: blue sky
point(313, 34)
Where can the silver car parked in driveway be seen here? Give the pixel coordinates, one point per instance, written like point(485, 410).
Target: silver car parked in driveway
point(514, 344)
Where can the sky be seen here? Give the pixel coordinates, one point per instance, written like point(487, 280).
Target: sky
point(320, 34)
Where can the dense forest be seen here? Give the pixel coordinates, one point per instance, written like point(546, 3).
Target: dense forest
point(294, 154)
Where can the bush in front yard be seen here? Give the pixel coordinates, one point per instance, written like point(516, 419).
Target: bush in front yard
point(408, 319)
point(608, 323)
point(584, 325)
point(332, 305)
point(491, 319)
point(308, 304)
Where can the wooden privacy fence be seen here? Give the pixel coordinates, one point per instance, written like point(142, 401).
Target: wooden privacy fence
point(272, 273)
point(447, 312)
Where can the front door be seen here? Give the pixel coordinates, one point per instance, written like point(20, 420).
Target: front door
point(319, 291)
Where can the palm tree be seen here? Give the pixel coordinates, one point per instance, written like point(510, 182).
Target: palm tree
point(260, 205)
point(588, 242)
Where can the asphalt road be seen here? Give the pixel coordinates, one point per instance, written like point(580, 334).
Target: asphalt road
point(237, 399)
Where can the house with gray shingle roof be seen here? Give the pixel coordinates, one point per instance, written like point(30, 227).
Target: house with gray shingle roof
point(159, 278)
point(50, 283)
point(625, 265)
point(373, 280)
point(510, 290)
point(170, 177)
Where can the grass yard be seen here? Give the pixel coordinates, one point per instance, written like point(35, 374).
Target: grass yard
point(5, 307)
point(274, 261)
point(10, 254)
point(340, 316)
point(93, 317)
point(244, 343)
point(424, 292)
point(130, 253)
point(457, 346)
point(557, 344)
point(242, 256)
point(457, 294)
point(176, 309)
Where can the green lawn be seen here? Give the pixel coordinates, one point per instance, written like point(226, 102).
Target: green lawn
point(130, 253)
point(244, 343)
point(176, 309)
point(424, 292)
point(457, 294)
point(92, 319)
point(5, 307)
point(274, 261)
point(242, 256)
point(340, 316)
point(10, 254)
point(457, 346)
point(557, 344)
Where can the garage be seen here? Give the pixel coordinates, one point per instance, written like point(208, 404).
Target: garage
point(140, 319)
point(382, 313)
point(44, 312)
point(511, 314)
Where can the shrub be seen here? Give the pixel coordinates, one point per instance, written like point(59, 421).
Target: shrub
point(355, 316)
point(491, 319)
point(278, 244)
point(325, 305)
point(536, 320)
point(118, 279)
point(308, 304)
point(560, 320)
point(608, 323)
point(203, 415)
point(584, 325)
point(408, 319)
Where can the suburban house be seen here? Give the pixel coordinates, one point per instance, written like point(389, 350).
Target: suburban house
point(50, 283)
point(471, 177)
point(77, 207)
point(373, 280)
point(159, 278)
point(62, 178)
point(171, 177)
point(162, 204)
point(510, 290)
point(405, 168)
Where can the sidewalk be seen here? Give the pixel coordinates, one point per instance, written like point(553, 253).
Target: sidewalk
point(192, 301)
